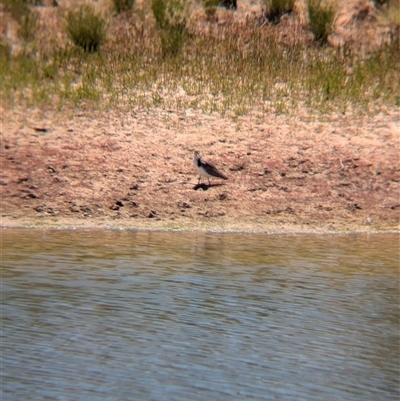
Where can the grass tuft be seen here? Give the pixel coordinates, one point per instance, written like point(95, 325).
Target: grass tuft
point(321, 16)
point(86, 28)
point(276, 8)
point(27, 19)
point(121, 6)
point(210, 6)
point(170, 16)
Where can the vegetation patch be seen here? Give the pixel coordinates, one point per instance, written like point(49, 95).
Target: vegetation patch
point(170, 16)
point(392, 8)
point(86, 28)
point(276, 8)
point(240, 69)
point(123, 5)
point(321, 15)
point(26, 17)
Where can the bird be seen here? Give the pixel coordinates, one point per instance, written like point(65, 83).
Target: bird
point(206, 169)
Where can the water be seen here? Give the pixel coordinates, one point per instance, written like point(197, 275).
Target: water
point(103, 315)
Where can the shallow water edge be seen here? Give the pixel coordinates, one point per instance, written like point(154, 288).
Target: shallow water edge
point(102, 314)
point(212, 227)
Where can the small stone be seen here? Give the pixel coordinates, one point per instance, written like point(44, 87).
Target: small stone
point(40, 129)
point(51, 211)
point(22, 180)
point(354, 206)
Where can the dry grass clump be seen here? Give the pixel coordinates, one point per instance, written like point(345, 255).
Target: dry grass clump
point(276, 8)
point(22, 12)
point(321, 16)
point(210, 7)
point(392, 9)
point(123, 5)
point(170, 16)
point(86, 28)
point(229, 4)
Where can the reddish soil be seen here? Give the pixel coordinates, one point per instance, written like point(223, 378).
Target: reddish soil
point(135, 170)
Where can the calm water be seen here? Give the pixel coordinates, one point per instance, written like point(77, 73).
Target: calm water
point(102, 315)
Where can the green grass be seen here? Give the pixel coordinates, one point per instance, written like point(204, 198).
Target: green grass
point(170, 16)
point(321, 16)
point(86, 28)
point(234, 75)
point(27, 18)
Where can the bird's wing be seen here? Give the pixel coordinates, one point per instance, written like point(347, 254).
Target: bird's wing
point(212, 170)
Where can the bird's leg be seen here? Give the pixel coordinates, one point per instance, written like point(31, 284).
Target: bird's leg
point(198, 182)
point(209, 183)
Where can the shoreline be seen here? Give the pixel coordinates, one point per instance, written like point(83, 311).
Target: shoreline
point(72, 225)
point(135, 171)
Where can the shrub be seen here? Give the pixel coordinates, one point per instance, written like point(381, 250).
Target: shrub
point(172, 40)
point(276, 8)
point(169, 12)
point(27, 19)
point(170, 16)
point(159, 11)
point(321, 18)
point(86, 28)
point(123, 5)
point(27, 26)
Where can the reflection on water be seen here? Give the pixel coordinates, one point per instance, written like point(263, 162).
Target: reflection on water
point(103, 315)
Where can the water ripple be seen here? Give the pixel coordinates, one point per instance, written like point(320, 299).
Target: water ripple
point(125, 315)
